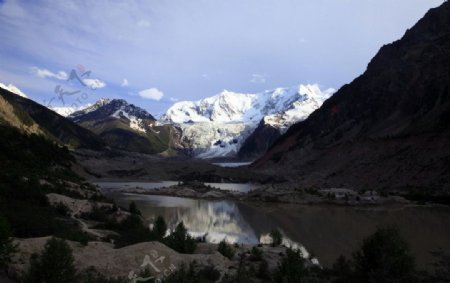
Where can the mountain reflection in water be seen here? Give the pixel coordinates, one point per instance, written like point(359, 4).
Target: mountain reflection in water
point(216, 220)
point(329, 231)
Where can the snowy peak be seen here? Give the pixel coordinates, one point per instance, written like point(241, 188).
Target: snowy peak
point(137, 118)
point(217, 126)
point(225, 107)
point(294, 105)
point(13, 89)
point(117, 108)
point(291, 103)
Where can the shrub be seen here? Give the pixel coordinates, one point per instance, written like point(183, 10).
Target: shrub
point(263, 270)
point(6, 247)
point(384, 257)
point(132, 231)
point(292, 267)
point(133, 208)
point(441, 267)
point(256, 254)
point(183, 275)
point(342, 270)
point(180, 240)
point(54, 265)
point(242, 275)
point(92, 276)
point(62, 209)
point(159, 228)
point(277, 237)
point(209, 273)
point(225, 249)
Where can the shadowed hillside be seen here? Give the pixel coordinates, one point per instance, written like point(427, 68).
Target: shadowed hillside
point(388, 129)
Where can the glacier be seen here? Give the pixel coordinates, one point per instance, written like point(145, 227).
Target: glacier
point(217, 126)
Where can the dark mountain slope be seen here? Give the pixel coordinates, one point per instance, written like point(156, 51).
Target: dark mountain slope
point(32, 117)
point(389, 128)
point(258, 142)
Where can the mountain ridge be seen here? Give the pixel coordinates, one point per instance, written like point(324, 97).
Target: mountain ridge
point(378, 131)
point(125, 126)
point(219, 125)
point(31, 117)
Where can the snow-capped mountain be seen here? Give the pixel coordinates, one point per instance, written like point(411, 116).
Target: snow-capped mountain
point(124, 126)
point(117, 108)
point(12, 88)
point(281, 105)
point(217, 126)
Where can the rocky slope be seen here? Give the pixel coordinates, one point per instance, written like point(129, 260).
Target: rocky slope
point(125, 126)
point(388, 129)
point(218, 126)
point(259, 141)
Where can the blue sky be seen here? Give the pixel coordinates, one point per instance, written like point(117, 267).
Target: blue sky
point(154, 52)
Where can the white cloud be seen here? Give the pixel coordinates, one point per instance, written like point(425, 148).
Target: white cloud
point(143, 24)
point(94, 83)
point(258, 78)
point(61, 75)
point(151, 93)
point(124, 83)
point(44, 73)
point(173, 99)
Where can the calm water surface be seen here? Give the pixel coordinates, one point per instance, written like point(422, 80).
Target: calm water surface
point(326, 231)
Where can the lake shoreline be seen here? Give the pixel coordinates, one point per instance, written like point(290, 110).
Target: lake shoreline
point(327, 230)
point(270, 194)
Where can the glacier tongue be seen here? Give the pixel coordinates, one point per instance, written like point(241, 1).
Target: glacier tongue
point(214, 139)
point(218, 125)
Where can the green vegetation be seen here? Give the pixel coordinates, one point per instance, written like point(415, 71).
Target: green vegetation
point(133, 209)
point(131, 231)
point(54, 265)
point(256, 254)
point(384, 257)
point(30, 167)
point(118, 134)
point(160, 228)
point(263, 272)
point(225, 249)
point(6, 246)
point(180, 240)
point(441, 269)
point(207, 274)
point(98, 278)
point(277, 237)
point(292, 267)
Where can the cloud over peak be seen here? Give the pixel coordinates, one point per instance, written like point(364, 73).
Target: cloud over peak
point(94, 83)
point(151, 93)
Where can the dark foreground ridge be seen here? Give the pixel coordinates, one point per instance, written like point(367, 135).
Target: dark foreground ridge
point(388, 129)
